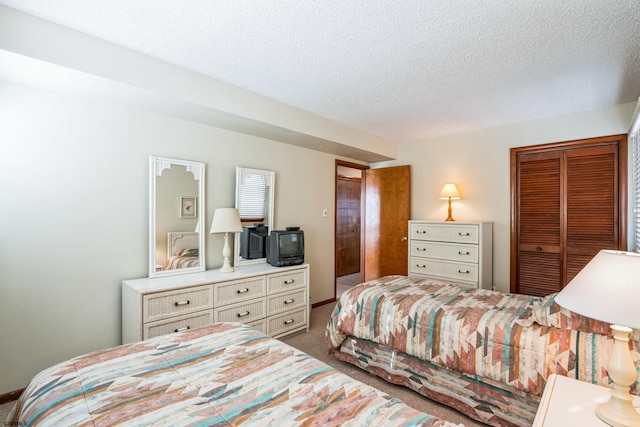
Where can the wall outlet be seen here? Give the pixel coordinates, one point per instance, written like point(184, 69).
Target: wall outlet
point(325, 213)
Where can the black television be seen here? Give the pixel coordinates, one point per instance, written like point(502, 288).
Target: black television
point(285, 247)
point(252, 241)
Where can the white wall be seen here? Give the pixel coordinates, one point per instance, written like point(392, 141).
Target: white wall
point(74, 216)
point(479, 163)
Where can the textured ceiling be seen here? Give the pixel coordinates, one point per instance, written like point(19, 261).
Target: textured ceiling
point(401, 70)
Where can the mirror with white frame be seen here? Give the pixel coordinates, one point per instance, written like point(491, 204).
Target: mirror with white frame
point(255, 189)
point(176, 216)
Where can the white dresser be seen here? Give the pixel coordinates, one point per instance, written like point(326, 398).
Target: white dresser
point(459, 252)
point(274, 300)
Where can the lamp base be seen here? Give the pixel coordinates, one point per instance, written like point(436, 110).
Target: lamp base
point(226, 254)
point(618, 411)
point(227, 268)
point(449, 218)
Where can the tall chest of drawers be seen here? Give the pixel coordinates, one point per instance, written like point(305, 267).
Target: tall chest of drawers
point(460, 252)
point(274, 300)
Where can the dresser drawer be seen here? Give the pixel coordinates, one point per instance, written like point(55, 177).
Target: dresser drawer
point(446, 232)
point(177, 324)
point(260, 325)
point(456, 271)
point(446, 251)
point(239, 290)
point(286, 322)
point(286, 301)
point(162, 305)
point(286, 281)
point(244, 312)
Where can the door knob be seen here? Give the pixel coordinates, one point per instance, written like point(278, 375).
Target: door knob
point(403, 239)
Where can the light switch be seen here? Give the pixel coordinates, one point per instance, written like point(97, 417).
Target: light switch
point(325, 213)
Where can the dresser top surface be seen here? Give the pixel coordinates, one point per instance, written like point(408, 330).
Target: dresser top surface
point(206, 277)
point(442, 222)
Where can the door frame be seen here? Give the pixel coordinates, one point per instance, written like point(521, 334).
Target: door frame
point(335, 219)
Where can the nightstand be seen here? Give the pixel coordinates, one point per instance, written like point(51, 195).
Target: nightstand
point(569, 402)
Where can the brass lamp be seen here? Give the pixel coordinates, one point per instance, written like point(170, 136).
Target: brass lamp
point(608, 289)
point(449, 192)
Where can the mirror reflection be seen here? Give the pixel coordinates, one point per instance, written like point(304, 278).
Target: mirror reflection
point(176, 211)
point(254, 201)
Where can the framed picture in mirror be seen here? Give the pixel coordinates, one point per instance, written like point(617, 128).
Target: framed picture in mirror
point(188, 207)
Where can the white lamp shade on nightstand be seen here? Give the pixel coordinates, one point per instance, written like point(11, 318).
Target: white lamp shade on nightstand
point(226, 220)
point(608, 289)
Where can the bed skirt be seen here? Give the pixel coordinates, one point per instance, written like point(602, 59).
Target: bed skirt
point(498, 405)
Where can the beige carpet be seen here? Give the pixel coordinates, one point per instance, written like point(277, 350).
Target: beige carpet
point(313, 343)
point(4, 412)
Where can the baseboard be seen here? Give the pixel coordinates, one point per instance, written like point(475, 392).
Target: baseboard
point(11, 396)
point(327, 301)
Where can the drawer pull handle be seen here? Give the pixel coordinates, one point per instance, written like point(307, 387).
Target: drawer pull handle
point(242, 291)
point(244, 313)
point(421, 231)
point(186, 328)
point(179, 303)
point(288, 322)
point(463, 272)
point(288, 282)
point(463, 253)
point(289, 301)
point(421, 249)
point(464, 234)
point(421, 266)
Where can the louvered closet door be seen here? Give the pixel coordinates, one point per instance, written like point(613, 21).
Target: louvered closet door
point(592, 205)
point(540, 226)
point(569, 202)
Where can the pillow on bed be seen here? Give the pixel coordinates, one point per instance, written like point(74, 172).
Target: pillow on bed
point(548, 313)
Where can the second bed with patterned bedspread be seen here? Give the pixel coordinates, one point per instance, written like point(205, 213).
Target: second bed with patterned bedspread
point(485, 353)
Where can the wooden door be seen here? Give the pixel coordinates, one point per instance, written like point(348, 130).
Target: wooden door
point(540, 227)
point(592, 205)
point(348, 226)
point(386, 221)
point(568, 203)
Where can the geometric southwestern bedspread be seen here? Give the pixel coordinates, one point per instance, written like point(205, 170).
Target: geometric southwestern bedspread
point(399, 327)
point(227, 374)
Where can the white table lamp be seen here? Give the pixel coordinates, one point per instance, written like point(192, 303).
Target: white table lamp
point(608, 289)
point(226, 220)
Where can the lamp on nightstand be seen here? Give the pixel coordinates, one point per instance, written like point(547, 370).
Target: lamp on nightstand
point(449, 192)
point(226, 220)
point(608, 289)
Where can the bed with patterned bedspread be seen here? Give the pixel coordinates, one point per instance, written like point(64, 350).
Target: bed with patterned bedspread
point(227, 374)
point(486, 353)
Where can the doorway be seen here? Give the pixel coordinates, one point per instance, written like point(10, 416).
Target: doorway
point(372, 214)
point(348, 233)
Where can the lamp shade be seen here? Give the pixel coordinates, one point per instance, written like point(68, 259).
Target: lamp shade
point(607, 289)
point(226, 220)
point(450, 191)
